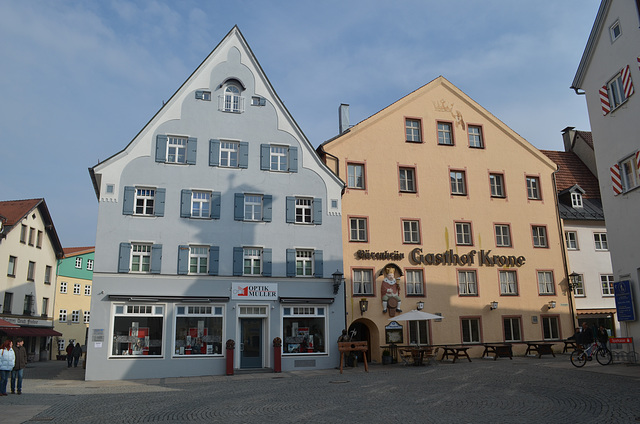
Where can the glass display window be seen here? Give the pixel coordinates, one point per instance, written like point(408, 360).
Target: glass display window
point(198, 330)
point(137, 330)
point(304, 330)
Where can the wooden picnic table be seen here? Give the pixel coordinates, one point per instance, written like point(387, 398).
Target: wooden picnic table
point(417, 353)
point(569, 344)
point(455, 351)
point(540, 347)
point(501, 350)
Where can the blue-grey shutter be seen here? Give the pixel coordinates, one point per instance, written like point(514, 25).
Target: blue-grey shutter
point(267, 200)
point(192, 149)
point(243, 155)
point(183, 260)
point(238, 207)
point(215, 204)
point(318, 264)
point(158, 209)
point(199, 94)
point(156, 258)
point(317, 210)
point(291, 262)
point(185, 203)
point(238, 261)
point(266, 262)
point(265, 157)
point(293, 159)
point(291, 209)
point(214, 152)
point(124, 257)
point(214, 260)
point(263, 101)
point(129, 200)
point(161, 148)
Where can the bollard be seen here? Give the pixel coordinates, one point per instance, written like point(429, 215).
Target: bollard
point(231, 345)
point(277, 354)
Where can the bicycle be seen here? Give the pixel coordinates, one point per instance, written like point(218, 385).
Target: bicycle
point(579, 357)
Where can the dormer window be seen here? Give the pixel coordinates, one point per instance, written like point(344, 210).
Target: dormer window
point(230, 100)
point(576, 200)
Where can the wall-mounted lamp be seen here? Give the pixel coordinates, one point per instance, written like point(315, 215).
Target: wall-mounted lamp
point(552, 304)
point(337, 281)
point(573, 280)
point(493, 305)
point(364, 305)
point(420, 306)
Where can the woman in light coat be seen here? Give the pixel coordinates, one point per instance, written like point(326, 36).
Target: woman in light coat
point(7, 362)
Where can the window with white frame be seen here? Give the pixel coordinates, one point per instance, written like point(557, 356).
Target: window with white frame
point(415, 283)
point(304, 210)
point(463, 234)
point(304, 263)
point(550, 328)
point(629, 173)
point(305, 329)
point(229, 154)
point(470, 330)
point(140, 257)
point(198, 259)
point(87, 290)
point(137, 330)
point(61, 345)
point(539, 236)
point(445, 133)
point(503, 235)
point(62, 315)
point(86, 317)
point(458, 184)
point(413, 130)
point(278, 158)
point(576, 200)
point(497, 185)
point(355, 176)
point(545, 282)
point(144, 201)
point(203, 95)
point(615, 31)
point(200, 204)
point(508, 283)
point(600, 240)
point(75, 316)
point(11, 268)
point(47, 274)
point(63, 287)
point(176, 149)
point(533, 188)
point(362, 282)
point(79, 263)
point(411, 232)
point(511, 329)
point(89, 264)
point(407, 180)
point(606, 282)
point(199, 330)
point(615, 89)
point(571, 240)
point(252, 207)
point(231, 100)
point(578, 286)
point(475, 137)
point(418, 332)
point(31, 271)
point(358, 229)
point(252, 261)
point(467, 283)
point(76, 288)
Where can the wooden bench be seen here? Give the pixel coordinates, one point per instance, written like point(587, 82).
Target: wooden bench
point(499, 350)
point(569, 344)
point(455, 352)
point(539, 348)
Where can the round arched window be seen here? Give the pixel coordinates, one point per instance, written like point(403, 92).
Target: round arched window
point(232, 98)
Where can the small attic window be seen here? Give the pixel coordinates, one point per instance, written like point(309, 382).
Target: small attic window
point(258, 101)
point(576, 200)
point(110, 188)
point(203, 95)
point(615, 31)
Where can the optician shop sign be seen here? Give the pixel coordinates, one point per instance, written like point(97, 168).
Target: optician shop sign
point(254, 291)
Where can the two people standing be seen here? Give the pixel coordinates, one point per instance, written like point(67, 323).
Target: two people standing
point(73, 354)
point(13, 360)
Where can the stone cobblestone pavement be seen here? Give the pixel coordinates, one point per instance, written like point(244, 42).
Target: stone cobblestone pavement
point(522, 390)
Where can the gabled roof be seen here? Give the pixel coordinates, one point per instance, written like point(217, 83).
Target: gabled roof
point(591, 44)
point(14, 211)
point(572, 171)
point(75, 251)
point(586, 136)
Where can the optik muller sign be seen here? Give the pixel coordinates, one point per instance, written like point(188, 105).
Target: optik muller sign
point(254, 291)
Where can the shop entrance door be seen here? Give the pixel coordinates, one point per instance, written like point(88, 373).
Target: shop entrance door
point(251, 345)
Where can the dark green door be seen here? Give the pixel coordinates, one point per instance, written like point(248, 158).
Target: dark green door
point(251, 346)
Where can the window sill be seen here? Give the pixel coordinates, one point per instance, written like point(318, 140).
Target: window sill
point(444, 144)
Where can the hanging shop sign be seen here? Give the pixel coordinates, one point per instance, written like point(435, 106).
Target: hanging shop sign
point(253, 291)
point(624, 301)
point(484, 258)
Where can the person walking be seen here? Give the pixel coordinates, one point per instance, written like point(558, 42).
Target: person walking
point(77, 352)
point(18, 369)
point(70, 354)
point(7, 361)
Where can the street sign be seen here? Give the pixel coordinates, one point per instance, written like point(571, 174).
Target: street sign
point(618, 340)
point(624, 301)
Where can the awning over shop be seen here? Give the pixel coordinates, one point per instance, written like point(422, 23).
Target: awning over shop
point(596, 311)
point(30, 331)
point(7, 324)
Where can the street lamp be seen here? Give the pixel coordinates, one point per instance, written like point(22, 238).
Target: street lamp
point(494, 305)
point(573, 280)
point(420, 305)
point(364, 305)
point(337, 281)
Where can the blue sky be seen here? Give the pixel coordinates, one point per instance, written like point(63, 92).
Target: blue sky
point(79, 79)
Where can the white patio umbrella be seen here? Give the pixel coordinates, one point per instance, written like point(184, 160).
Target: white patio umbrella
point(415, 316)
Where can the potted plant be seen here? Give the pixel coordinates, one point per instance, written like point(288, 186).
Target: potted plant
point(386, 357)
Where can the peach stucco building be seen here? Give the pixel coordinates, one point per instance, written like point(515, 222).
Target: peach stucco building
point(462, 210)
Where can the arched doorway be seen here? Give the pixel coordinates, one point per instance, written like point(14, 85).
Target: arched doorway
point(361, 334)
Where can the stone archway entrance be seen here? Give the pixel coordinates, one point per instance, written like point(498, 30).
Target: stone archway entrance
point(362, 334)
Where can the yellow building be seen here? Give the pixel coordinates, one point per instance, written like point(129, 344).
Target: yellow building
point(462, 210)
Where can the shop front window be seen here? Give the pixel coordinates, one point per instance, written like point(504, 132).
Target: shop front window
point(198, 330)
point(304, 329)
point(137, 330)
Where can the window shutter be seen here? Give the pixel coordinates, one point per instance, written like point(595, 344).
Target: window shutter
point(199, 94)
point(214, 152)
point(238, 207)
point(604, 100)
point(267, 199)
point(317, 210)
point(243, 155)
point(156, 258)
point(191, 150)
point(158, 209)
point(293, 159)
point(616, 182)
point(265, 157)
point(291, 210)
point(129, 199)
point(215, 204)
point(638, 163)
point(185, 203)
point(161, 148)
point(266, 262)
point(238, 265)
point(124, 257)
point(318, 264)
point(183, 260)
point(214, 259)
point(626, 82)
point(291, 262)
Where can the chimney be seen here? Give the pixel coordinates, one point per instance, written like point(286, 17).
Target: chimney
point(343, 117)
point(567, 137)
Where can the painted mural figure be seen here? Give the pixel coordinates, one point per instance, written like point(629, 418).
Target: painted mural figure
point(390, 289)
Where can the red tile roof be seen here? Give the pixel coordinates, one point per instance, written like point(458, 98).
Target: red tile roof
point(72, 251)
point(572, 171)
point(15, 210)
point(586, 136)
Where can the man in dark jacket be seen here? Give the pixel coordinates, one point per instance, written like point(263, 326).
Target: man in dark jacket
point(70, 354)
point(21, 363)
point(77, 352)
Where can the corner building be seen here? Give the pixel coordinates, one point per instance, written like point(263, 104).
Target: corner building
point(218, 223)
point(462, 210)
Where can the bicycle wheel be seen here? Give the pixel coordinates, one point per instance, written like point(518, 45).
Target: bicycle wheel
point(578, 358)
point(604, 357)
